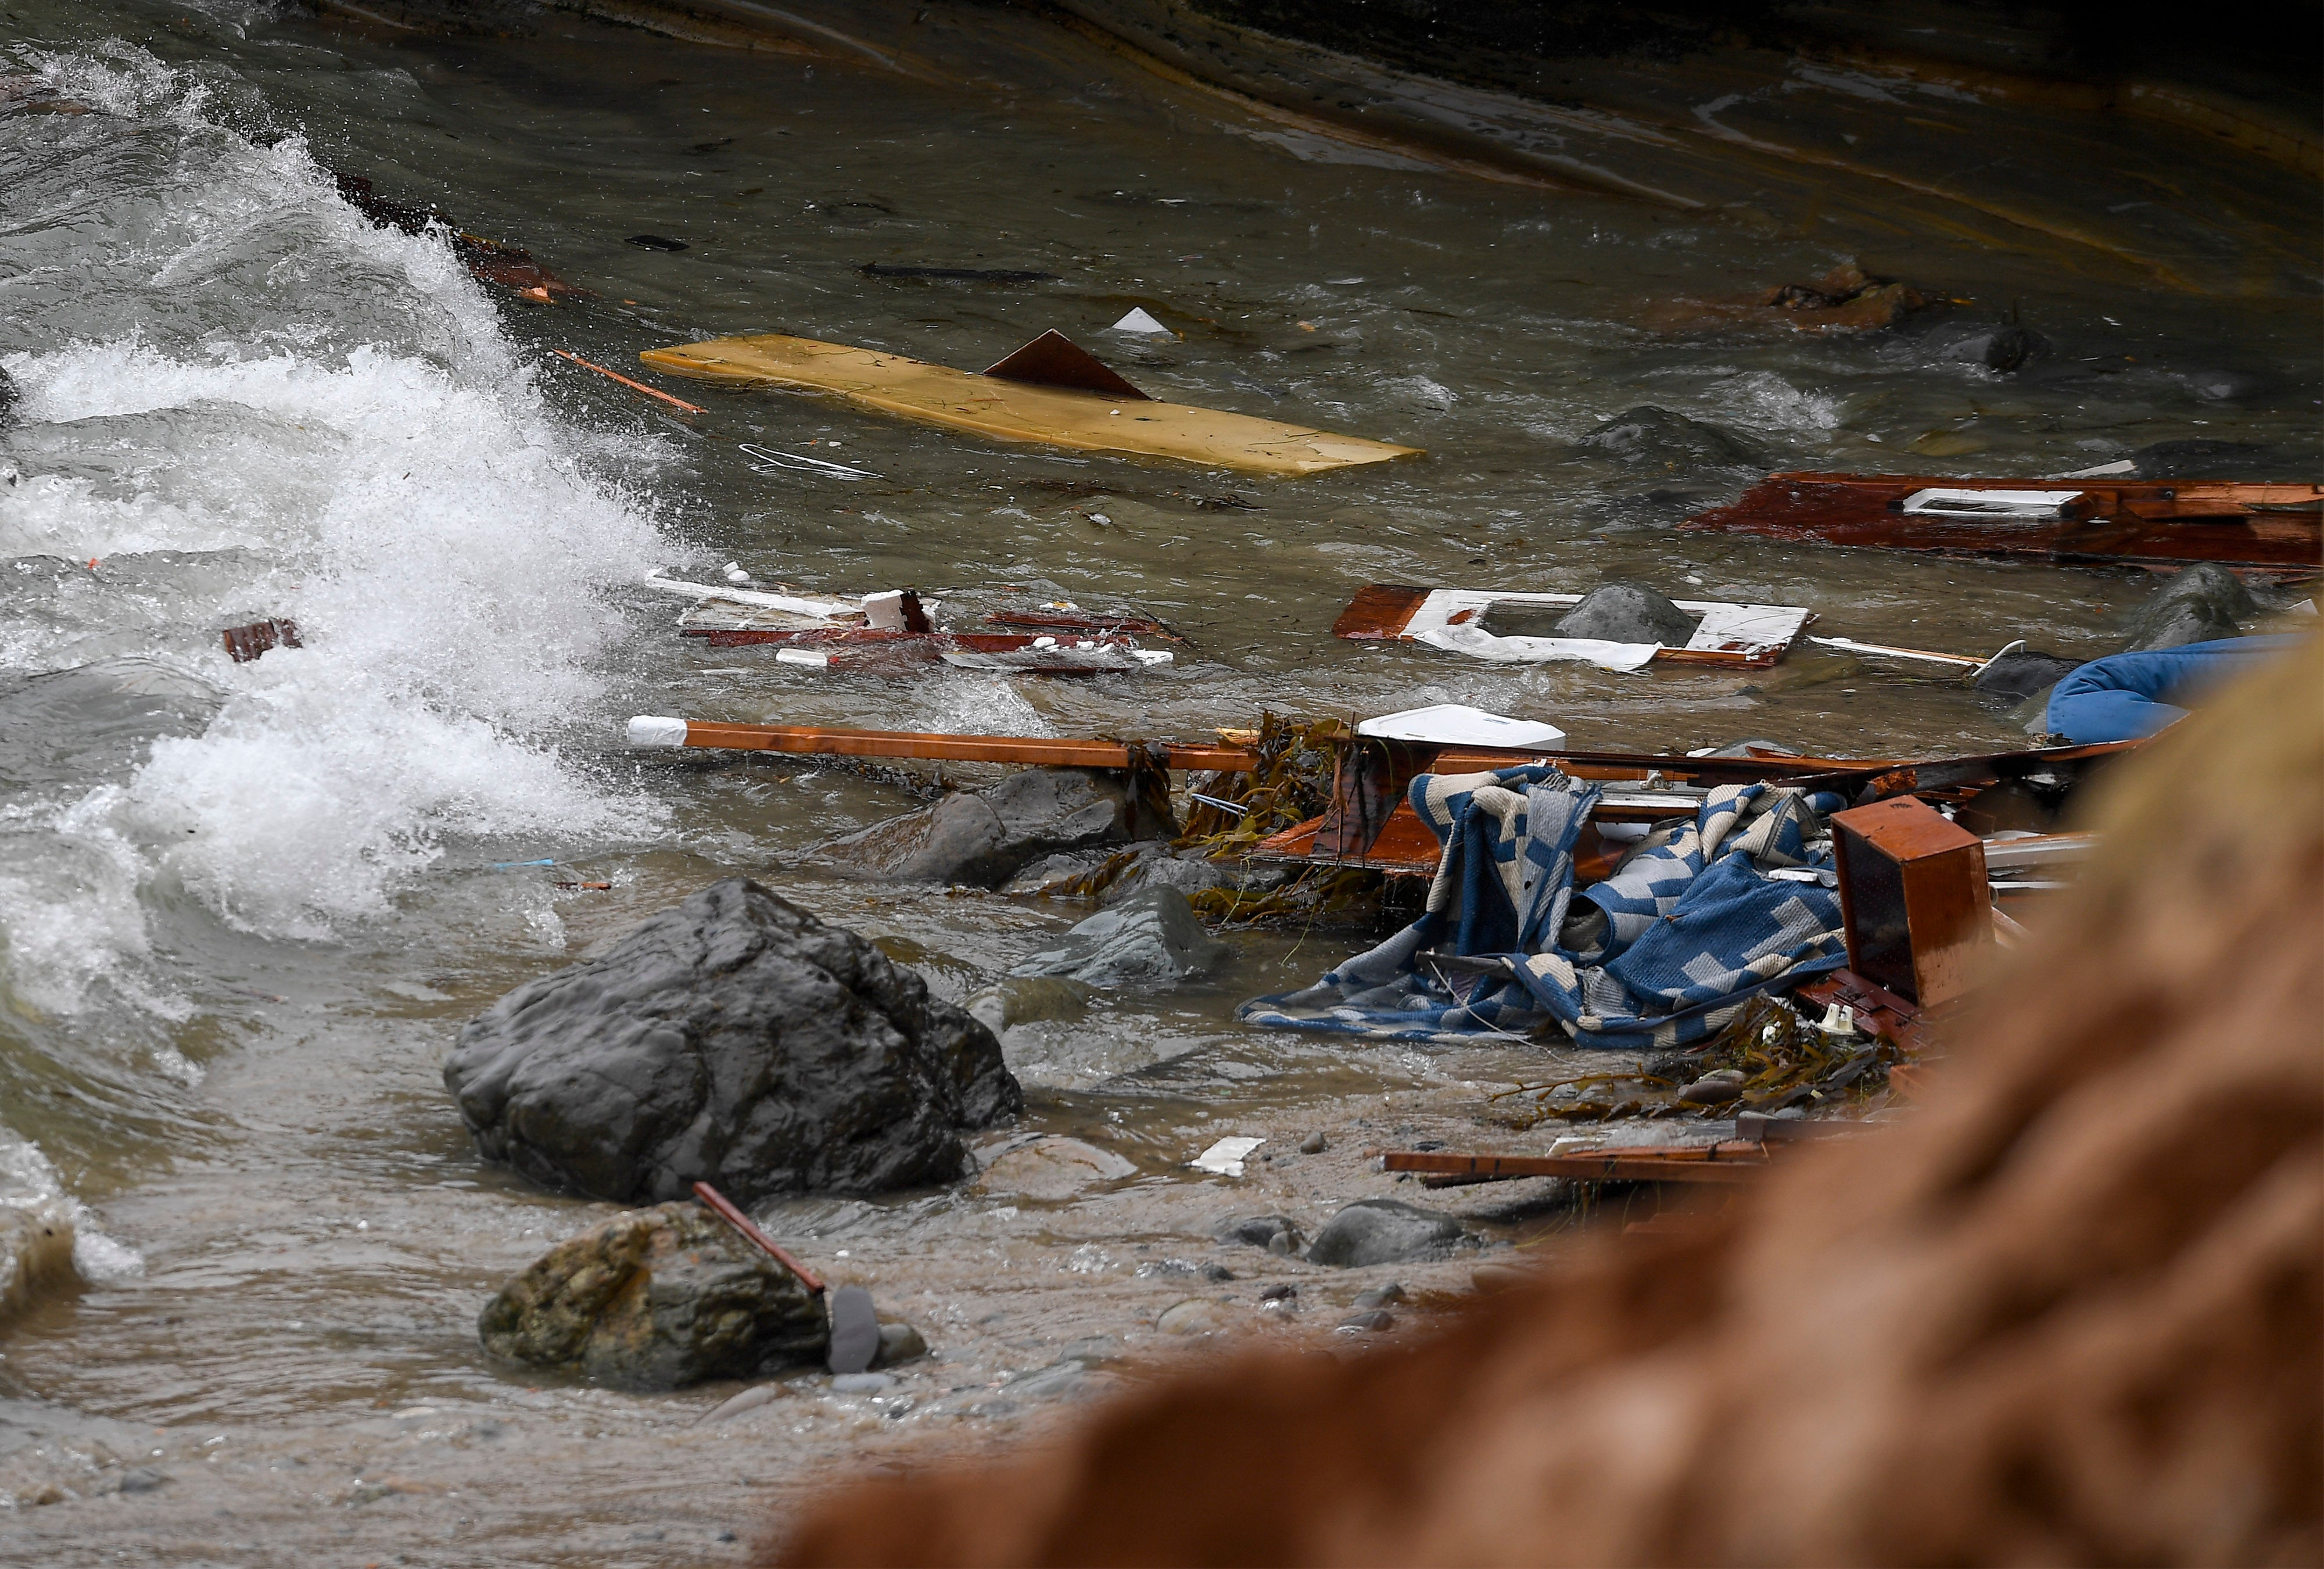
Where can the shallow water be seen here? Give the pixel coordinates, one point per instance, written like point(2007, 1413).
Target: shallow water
point(245, 907)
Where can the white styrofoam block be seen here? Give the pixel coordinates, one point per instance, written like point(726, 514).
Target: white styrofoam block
point(655, 730)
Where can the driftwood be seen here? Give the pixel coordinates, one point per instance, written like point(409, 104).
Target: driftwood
point(2072, 1312)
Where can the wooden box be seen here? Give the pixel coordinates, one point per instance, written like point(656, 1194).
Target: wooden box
point(1913, 898)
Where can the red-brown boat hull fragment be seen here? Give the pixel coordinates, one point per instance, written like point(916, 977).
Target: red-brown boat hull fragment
point(2269, 530)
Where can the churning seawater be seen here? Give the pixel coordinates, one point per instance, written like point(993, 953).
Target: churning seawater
point(244, 906)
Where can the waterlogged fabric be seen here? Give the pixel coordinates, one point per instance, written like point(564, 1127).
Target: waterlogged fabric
point(1667, 951)
point(2123, 696)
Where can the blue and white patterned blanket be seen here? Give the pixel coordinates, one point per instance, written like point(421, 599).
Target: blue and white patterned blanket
point(1692, 925)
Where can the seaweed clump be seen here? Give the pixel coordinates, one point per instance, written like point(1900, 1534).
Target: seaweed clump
point(1769, 1057)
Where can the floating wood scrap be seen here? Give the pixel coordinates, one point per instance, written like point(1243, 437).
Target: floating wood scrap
point(1034, 751)
point(1464, 620)
point(487, 261)
point(2267, 530)
point(892, 633)
point(245, 643)
point(1049, 392)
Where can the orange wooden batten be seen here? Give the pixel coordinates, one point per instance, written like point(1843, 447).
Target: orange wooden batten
point(1038, 751)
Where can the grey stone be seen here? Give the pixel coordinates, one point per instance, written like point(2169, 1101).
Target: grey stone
point(861, 1384)
point(1158, 867)
point(1313, 1144)
point(898, 1342)
point(1626, 612)
point(1371, 1321)
point(140, 1479)
point(1382, 1231)
point(1281, 1291)
point(1059, 1378)
point(985, 838)
point(1283, 1244)
point(1045, 875)
point(1663, 444)
point(1150, 937)
point(1193, 1316)
point(655, 1299)
point(854, 1331)
point(734, 1039)
point(2022, 672)
point(1378, 1297)
point(749, 1399)
point(1050, 1167)
point(1255, 1231)
point(2202, 602)
point(1028, 999)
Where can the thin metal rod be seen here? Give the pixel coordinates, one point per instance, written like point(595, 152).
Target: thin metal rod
point(633, 386)
point(725, 1211)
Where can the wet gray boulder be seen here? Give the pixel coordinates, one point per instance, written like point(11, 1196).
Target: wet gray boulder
point(1382, 1231)
point(1626, 612)
point(1662, 443)
point(2202, 602)
point(984, 837)
point(655, 1299)
point(2022, 672)
point(736, 1039)
point(1150, 937)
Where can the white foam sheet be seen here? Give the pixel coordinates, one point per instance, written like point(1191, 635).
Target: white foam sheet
point(1480, 644)
point(1720, 626)
point(1226, 1157)
point(1458, 724)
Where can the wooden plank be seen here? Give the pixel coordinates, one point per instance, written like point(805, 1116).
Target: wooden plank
point(1378, 610)
point(1732, 1162)
point(1017, 412)
point(1039, 751)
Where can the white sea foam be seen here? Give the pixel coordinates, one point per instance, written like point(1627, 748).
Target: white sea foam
point(447, 548)
point(28, 1182)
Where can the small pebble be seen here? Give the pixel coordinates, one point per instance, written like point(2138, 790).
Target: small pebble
point(1283, 1244)
point(1217, 1272)
point(1378, 1319)
point(1313, 1144)
point(1378, 1297)
point(140, 1479)
point(1280, 1292)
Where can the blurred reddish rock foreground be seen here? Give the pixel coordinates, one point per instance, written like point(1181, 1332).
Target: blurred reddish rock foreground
point(2070, 1313)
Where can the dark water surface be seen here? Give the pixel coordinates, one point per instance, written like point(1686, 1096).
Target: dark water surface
point(245, 908)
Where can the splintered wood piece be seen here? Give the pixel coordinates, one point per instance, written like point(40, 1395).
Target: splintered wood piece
point(245, 643)
point(1054, 360)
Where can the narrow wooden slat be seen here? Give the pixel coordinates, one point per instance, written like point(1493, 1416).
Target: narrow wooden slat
point(1040, 750)
point(1733, 1161)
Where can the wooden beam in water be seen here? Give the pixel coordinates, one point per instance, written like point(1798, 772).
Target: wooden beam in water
point(1038, 751)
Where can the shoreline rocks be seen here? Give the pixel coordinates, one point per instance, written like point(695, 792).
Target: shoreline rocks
point(736, 1039)
point(1150, 937)
point(655, 1299)
point(985, 838)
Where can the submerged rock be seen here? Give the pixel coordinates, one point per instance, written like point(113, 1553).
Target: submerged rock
point(2202, 602)
point(1628, 612)
point(1028, 999)
point(736, 1040)
point(1383, 1230)
point(1655, 439)
point(655, 1299)
point(898, 1342)
point(2022, 673)
point(984, 837)
point(1150, 937)
point(36, 1250)
point(1256, 1231)
point(1051, 1167)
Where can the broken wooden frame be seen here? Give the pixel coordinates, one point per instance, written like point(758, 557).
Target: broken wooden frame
point(2260, 529)
point(1749, 636)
